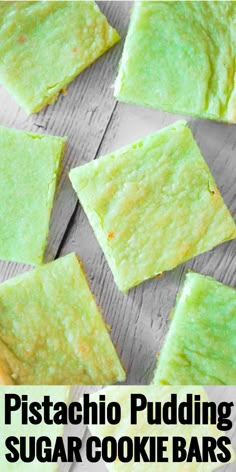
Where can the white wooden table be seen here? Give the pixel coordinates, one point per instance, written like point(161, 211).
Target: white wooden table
point(96, 124)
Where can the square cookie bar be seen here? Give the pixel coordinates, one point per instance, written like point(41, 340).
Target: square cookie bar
point(180, 57)
point(153, 205)
point(153, 399)
point(17, 429)
point(29, 166)
point(51, 331)
point(200, 346)
point(45, 45)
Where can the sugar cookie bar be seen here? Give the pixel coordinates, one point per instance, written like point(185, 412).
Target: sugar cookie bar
point(45, 45)
point(51, 330)
point(180, 57)
point(29, 168)
point(153, 205)
point(199, 348)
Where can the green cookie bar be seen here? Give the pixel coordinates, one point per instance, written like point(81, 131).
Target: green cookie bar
point(29, 166)
point(180, 57)
point(17, 429)
point(51, 331)
point(153, 205)
point(200, 346)
point(155, 395)
point(45, 45)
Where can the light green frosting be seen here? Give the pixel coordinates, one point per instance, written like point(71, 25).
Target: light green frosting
point(180, 57)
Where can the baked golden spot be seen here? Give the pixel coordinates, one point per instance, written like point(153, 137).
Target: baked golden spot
point(111, 235)
point(22, 39)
